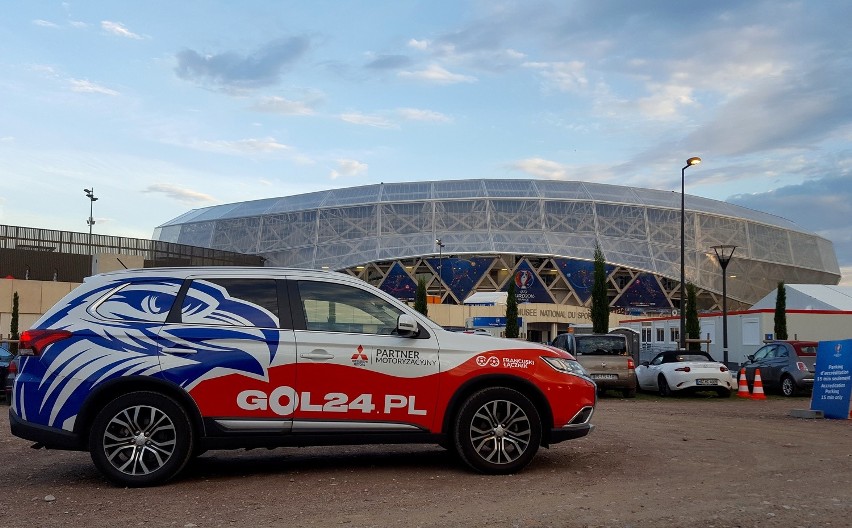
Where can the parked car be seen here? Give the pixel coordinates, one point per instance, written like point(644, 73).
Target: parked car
point(9, 378)
point(6, 358)
point(680, 371)
point(785, 366)
point(147, 368)
point(604, 357)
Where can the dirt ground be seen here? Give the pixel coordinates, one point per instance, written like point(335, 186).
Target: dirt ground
point(688, 461)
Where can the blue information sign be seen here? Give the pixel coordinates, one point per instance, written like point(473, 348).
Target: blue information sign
point(833, 379)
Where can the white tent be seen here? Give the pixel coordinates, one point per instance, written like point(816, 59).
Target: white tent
point(487, 299)
point(810, 297)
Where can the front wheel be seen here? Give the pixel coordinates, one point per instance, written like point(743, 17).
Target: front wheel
point(788, 386)
point(497, 431)
point(141, 439)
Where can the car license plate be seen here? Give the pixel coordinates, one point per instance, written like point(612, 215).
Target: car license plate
point(706, 382)
point(604, 376)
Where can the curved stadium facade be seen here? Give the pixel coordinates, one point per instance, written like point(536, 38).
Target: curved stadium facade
point(541, 233)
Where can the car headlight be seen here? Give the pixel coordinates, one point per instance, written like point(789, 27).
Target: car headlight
point(568, 366)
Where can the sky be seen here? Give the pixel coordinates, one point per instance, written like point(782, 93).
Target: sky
point(163, 107)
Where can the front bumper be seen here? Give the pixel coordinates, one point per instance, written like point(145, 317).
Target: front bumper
point(43, 436)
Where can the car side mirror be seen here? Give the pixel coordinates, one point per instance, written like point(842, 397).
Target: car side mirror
point(406, 326)
point(645, 363)
point(750, 357)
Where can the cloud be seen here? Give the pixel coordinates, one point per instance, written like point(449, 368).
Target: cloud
point(419, 44)
point(541, 168)
point(375, 121)
point(118, 29)
point(438, 75)
point(279, 105)
point(388, 62)
point(242, 146)
point(180, 194)
point(416, 114)
point(44, 23)
point(229, 70)
point(83, 86)
point(564, 76)
point(348, 167)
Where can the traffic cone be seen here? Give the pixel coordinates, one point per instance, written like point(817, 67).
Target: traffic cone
point(757, 390)
point(742, 392)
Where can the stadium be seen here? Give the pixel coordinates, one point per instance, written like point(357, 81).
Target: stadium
point(468, 236)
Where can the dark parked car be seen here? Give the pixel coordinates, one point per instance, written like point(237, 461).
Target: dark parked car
point(11, 373)
point(785, 366)
point(6, 358)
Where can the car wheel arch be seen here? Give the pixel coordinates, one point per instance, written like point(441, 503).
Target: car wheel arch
point(521, 385)
point(108, 391)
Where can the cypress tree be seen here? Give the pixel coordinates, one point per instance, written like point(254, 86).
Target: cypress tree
point(420, 297)
point(693, 327)
point(512, 311)
point(13, 327)
point(600, 302)
point(781, 312)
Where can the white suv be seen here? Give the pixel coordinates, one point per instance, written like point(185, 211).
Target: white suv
point(147, 368)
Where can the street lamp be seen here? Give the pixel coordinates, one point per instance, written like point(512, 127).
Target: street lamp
point(682, 337)
point(90, 194)
point(724, 254)
point(440, 270)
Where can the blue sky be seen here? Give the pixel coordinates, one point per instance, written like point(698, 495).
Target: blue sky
point(169, 106)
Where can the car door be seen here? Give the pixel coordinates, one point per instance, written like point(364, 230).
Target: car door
point(652, 372)
point(355, 373)
point(760, 361)
point(224, 344)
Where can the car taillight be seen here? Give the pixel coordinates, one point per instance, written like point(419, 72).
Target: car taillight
point(723, 368)
point(630, 364)
point(801, 366)
point(33, 342)
point(683, 369)
point(13, 368)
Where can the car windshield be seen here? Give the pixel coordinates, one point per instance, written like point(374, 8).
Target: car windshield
point(601, 345)
point(694, 357)
point(5, 354)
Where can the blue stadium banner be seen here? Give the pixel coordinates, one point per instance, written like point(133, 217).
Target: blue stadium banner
point(833, 380)
point(580, 275)
point(460, 275)
point(528, 285)
point(399, 283)
point(643, 292)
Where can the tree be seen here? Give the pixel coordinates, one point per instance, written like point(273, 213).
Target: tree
point(781, 312)
point(13, 326)
point(420, 297)
point(600, 302)
point(512, 311)
point(693, 327)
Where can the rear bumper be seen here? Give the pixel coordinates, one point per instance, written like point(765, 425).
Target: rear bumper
point(49, 437)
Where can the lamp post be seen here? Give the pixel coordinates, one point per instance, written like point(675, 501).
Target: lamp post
point(682, 337)
point(90, 194)
point(724, 254)
point(440, 270)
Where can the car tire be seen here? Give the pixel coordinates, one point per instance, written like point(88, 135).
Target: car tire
point(484, 438)
point(629, 393)
point(788, 386)
point(663, 386)
point(141, 439)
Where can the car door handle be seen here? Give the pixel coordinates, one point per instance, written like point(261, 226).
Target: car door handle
point(180, 351)
point(317, 354)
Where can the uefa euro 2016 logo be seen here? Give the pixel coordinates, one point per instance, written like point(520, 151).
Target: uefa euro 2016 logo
point(523, 279)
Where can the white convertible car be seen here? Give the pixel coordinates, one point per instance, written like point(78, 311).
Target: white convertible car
point(677, 371)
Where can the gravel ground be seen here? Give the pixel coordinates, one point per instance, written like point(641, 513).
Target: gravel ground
point(689, 461)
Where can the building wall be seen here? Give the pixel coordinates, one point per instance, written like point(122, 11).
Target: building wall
point(34, 298)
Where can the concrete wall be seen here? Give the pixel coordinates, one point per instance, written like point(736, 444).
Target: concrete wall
point(34, 298)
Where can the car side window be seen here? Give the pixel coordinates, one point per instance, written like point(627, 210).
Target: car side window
point(340, 308)
point(657, 360)
point(140, 301)
point(781, 352)
point(231, 302)
point(764, 353)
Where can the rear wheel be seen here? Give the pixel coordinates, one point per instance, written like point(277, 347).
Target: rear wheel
point(664, 388)
point(141, 439)
point(629, 393)
point(497, 431)
point(788, 386)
